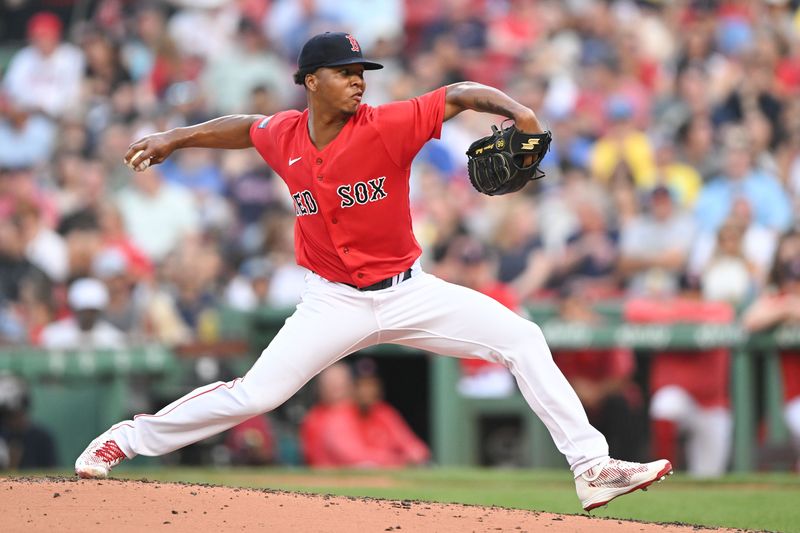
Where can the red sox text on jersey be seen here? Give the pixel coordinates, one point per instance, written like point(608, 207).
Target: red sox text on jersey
point(351, 197)
point(358, 194)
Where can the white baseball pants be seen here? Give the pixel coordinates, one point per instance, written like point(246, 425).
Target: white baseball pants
point(334, 320)
point(710, 430)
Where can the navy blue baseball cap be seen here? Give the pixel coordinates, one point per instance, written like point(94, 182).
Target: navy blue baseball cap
point(332, 49)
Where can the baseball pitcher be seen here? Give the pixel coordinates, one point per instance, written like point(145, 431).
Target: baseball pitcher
point(347, 167)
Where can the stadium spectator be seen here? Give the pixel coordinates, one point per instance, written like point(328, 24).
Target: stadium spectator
point(191, 272)
point(43, 247)
point(252, 442)
point(757, 247)
point(356, 429)
point(105, 73)
point(123, 311)
point(198, 172)
point(23, 185)
point(229, 79)
point(522, 261)
point(459, 21)
point(381, 424)
point(558, 206)
point(681, 178)
point(249, 289)
point(689, 388)
point(769, 201)
point(753, 94)
point(13, 264)
point(26, 139)
point(655, 245)
point(288, 278)
point(624, 152)
point(591, 253)
point(24, 444)
point(696, 147)
point(781, 306)
point(86, 328)
point(729, 276)
point(384, 23)
point(205, 29)
point(157, 215)
point(290, 23)
point(45, 76)
point(148, 52)
point(113, 236)
point(686, 103)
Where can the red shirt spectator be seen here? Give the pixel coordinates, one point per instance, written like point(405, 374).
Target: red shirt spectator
point(339, 432)
point(702, 373)
point(251, 442)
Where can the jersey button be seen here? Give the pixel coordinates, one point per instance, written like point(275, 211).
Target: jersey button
point(346, 250)
point(319, 178)
point(360, 275)
point(319, 160)
point(334, 220)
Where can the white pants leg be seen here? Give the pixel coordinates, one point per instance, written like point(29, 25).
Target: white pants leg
point(674, 404)
point(791, 413)
point(709, 446)
point(334, 320)
point(709, 431)
point(327, 325)
point(431, 314)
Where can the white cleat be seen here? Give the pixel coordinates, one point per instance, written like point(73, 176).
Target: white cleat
point(601, 484)
point(99, 458)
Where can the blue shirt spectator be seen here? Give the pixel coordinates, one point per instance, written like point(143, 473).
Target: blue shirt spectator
point(771, 205)
point(25, 139)
point(196, 171)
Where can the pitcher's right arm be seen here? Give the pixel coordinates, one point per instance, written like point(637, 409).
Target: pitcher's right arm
point(230, 131)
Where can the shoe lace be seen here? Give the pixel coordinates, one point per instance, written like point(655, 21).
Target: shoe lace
point(627, 465)
point(617, 473)
point(109, 452)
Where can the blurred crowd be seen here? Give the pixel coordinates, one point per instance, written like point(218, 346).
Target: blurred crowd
point(674, 171)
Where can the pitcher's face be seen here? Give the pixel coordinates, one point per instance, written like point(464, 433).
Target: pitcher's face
point(339, 88)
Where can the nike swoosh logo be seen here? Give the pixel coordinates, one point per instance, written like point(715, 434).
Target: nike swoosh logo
point(295, 160)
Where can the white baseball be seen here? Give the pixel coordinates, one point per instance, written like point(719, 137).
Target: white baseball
point(142, 165)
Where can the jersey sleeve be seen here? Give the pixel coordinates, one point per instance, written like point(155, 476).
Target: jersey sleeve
point(263, 138)
point(405, 126)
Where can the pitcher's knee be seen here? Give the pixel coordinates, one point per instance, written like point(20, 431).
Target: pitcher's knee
point(526, 333)
point(527, 341)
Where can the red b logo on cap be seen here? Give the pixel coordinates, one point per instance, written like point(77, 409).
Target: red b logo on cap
point(353, 43)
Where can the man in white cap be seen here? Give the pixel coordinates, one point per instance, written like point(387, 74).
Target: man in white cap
point(85, 329)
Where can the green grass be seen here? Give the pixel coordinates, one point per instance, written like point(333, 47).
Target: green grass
point(758, 502)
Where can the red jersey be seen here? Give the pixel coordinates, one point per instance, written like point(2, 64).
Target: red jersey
point(352, 197)
point(790, 367)
point(701, 373)
point(595, 365)
point(341, 435)
point(790, 364)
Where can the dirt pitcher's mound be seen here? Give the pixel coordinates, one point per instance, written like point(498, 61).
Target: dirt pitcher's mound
point(69, 505)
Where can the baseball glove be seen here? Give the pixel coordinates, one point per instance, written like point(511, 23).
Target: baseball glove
point(495, 162)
